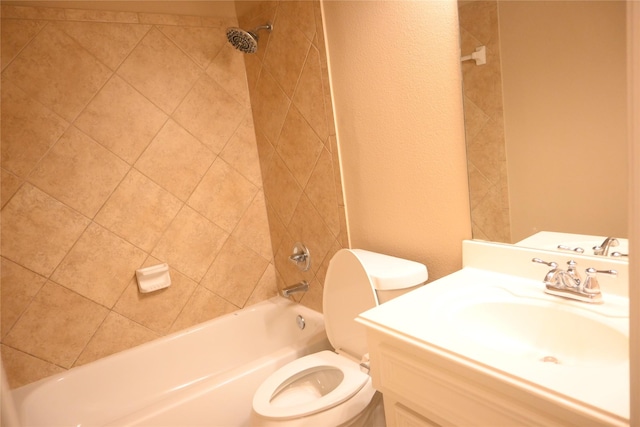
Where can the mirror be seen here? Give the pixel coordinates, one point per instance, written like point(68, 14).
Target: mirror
point(545, 117)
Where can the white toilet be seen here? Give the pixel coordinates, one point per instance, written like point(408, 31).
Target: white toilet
point(332, 389)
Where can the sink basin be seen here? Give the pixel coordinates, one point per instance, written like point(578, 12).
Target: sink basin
point(538, 332)
point(506, 327)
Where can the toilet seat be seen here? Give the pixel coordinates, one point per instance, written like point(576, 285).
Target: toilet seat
point(353, 380)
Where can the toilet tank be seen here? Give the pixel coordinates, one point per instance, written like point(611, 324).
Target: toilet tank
point(391, 276)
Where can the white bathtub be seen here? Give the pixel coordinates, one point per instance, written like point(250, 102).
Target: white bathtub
point(203, 376)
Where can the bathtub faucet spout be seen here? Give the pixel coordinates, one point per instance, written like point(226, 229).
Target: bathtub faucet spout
point(294, 289)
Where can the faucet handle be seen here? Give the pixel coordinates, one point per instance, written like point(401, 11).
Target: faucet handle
point(550, 264)
point(577, 250)
point(591, 285)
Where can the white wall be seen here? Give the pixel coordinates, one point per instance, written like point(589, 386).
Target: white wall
point(396, 86)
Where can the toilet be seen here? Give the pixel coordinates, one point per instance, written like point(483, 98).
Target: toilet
point(332, 388)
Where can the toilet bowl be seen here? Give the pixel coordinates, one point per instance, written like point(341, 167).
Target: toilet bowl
point(334, 388)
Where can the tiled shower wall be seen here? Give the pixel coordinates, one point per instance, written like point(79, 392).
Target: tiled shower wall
point(484, 122)
point(293, 116)
point(128, 140)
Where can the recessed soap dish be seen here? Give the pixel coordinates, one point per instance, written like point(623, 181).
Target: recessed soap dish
point(153, 278)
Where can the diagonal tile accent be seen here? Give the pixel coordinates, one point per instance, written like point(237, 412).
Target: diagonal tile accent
point(160, 71)
point(241, 152)
point(210, 113)
point(79, 172)
point(14, 36)
point(18, 287)
point(57, 325)
point(156, 310)
point(202, 44)
point(309, 95)
point(29, 129)
point(298, 146)
point(117, 333)
point(223, 196)
point(121, 119)
point(235, 272)
point(190, 244)
point(175, 160)
point(139, 210)
point(225, 68)
point(57, 71)
point(37, 230)
point(99, 266)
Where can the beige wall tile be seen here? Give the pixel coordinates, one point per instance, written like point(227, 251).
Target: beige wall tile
point(298, 14)
point(121, 119)
point(99, 266)
point(109, 42)
point(288, 48)
point(24, 368)
point(57, 325)
point(225, 68)
point(29, 129)
point(309, 95)
point(202, 44)
point(160, 71)
point(313, 297)
point(190, 244)
point(175, 160)
point(139, 210)
point(117, 333)
point(202, 306)
point(308, 226)
point(9, 185)
point(241, 152)
point(281, 189)
point(223, 196)
point(298, 146)
point(79, 172)
point(15, 34)
point(253, 229)
point(269, 105)
point(266, 288)
point(159, 309)
point(17, 288)
point(210, 113)
point(235, 272)
point(322, 193)
point(37, 230)
point(58, 72)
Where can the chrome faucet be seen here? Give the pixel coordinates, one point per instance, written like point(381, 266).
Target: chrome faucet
point(603, 248)
point(569, 284)
point(294, 289)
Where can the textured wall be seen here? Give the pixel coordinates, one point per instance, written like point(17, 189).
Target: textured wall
point(395, 74)
point(127, 140)
point(293, 117)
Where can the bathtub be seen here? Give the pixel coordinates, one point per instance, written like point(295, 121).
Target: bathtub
point(202, 376)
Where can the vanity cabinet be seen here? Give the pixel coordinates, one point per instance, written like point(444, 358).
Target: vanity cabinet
point(422, 387)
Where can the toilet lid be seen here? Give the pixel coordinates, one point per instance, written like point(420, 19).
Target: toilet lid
point(348, 291)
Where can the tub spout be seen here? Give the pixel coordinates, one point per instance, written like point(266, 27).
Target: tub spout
point(294, 289)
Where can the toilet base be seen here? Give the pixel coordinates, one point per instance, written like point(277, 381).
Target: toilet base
point(372, 416)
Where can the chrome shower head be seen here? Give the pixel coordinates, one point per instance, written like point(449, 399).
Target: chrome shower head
point(246, 41)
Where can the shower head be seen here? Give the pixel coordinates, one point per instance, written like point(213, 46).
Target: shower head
point(246, 41)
